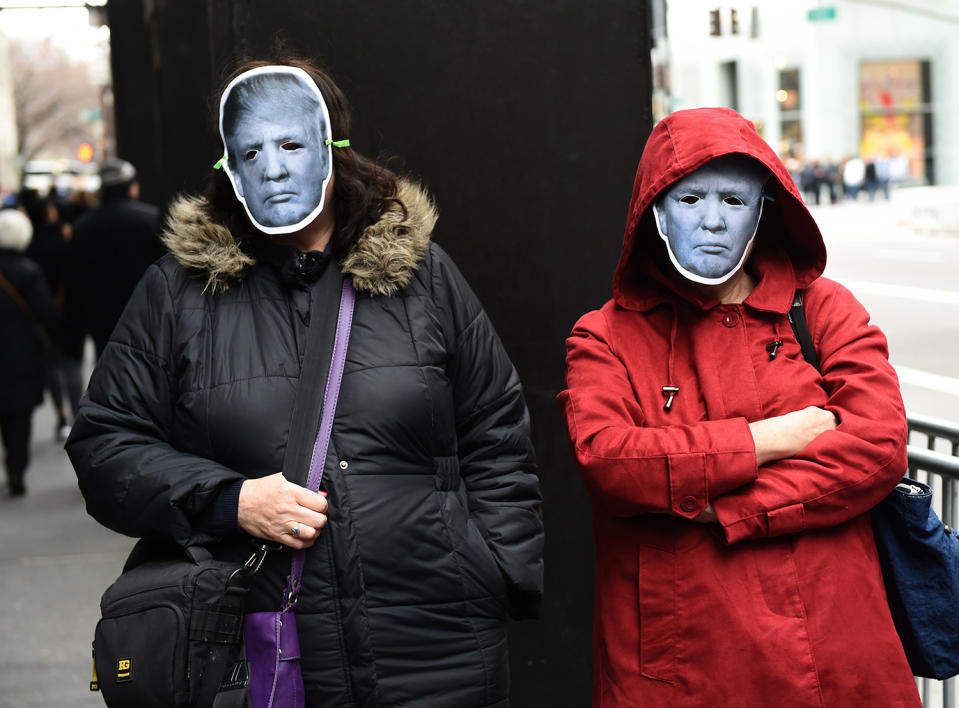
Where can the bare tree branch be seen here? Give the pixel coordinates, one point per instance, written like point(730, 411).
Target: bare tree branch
point(51, 96)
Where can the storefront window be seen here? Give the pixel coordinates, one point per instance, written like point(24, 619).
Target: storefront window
point(895, 117)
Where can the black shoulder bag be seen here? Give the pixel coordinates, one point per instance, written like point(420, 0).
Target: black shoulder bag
point(919, 557)
point(171, 627)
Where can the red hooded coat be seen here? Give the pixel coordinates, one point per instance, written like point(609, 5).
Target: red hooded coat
point(782, 603)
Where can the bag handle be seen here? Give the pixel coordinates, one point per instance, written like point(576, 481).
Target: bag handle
point(15, 294)
point(153, 547)
point(322, 443)
point(797, 319)
point(314, 373)
point(18, 298)
point(327, 326)
point(310, 389)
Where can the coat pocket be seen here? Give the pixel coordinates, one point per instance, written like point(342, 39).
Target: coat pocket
point(475, 560)
point(657, 613)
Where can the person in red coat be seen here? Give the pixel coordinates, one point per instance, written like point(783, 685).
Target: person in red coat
point(730, 481)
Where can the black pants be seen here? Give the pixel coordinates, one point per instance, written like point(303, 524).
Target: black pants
point(15, 431)
point(64, 378)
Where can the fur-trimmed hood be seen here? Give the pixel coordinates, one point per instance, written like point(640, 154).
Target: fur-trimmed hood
point(381, 262)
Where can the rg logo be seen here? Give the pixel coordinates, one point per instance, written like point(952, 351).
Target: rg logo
point(124, 670)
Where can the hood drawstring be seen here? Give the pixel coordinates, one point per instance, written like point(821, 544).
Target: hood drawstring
point(670, 390)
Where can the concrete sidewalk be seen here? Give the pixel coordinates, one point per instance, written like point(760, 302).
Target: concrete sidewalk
point(55, 562)
point(927, 209)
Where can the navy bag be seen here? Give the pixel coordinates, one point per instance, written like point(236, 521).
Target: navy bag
point(919, 557)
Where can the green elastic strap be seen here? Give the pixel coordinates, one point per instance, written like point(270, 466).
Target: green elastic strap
point(338, 143)
point(219, 163)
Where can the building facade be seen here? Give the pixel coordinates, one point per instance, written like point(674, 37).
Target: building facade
point(824, 80)
point(9, 176)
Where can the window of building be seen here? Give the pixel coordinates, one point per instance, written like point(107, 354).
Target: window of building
point(729, 85)
point(790, 105)
point(896, 117)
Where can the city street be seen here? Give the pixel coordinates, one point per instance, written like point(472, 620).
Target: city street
point(907, 281)
point(56, 561)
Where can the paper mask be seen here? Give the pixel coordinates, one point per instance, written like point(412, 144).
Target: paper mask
point(709, 219)
point(275, 128)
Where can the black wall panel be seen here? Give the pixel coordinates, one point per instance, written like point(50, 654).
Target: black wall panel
point(525, 120)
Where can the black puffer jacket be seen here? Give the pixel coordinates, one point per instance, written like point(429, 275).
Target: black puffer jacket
point(434, 529)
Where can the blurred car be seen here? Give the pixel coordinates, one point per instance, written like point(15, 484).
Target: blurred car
point(64, 177)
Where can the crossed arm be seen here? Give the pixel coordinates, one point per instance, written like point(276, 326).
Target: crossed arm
point(781, 437)
point(810, 468)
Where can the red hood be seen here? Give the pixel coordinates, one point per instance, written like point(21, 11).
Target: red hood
point(789, 250)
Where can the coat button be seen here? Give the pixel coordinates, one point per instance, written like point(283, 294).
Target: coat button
point(344, 464)
point(730, 319)
point(688, 504)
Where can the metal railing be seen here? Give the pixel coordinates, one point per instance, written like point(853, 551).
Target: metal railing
point(937, 464)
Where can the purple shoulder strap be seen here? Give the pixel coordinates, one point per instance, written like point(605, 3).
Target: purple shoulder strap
point(340, 345)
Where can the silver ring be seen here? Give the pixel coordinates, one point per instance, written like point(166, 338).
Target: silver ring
point(295, 530)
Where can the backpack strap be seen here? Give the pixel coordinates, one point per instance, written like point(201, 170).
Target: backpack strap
point(797, 319)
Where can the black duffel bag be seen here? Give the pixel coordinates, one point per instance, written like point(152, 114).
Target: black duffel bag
point(171, 630)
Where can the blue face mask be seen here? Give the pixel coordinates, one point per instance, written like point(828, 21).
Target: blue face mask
point(709, 219)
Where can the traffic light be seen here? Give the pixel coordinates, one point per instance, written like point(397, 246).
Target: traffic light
point(715, 26)
point(733, 22)
point(85, 152)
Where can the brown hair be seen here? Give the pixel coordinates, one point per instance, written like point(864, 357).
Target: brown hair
point(362, 188)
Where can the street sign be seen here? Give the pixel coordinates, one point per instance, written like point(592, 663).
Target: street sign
point(821, 14)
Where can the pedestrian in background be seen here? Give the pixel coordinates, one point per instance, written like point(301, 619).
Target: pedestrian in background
point(811, 180)
point(112, 246)
point(870, 178)
point(28, 325)
point(730, 480)
point(48, 250)
point(833, 181)
point(898, 169)
point(854, 176)
point(426, 533)
point(883, 175)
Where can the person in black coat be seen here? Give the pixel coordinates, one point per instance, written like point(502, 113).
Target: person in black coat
point(112, 246)
point(427, 533)
point(48, 249)
point(28, 323)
